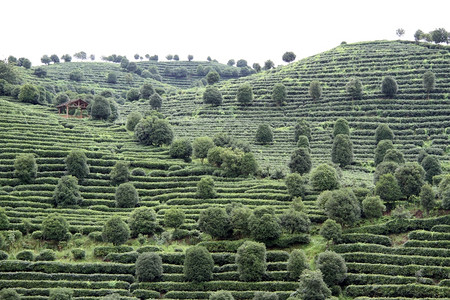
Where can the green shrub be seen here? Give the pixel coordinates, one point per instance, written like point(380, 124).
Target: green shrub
point(245, 94)
point(264, 227)
point(303, 142)
point(444, 184)
point(221, 295)
point(295, 222)
point(146, 90)
point(386, 167)
point(115, 231)
point(389, 86)
point(427, 197)
point(120, 172)
point(37, 235)
point(78, 254)
point(323, 198)
point(342, 150)
point(60, 294)
point(324, 177)
point(343, 207)
point(428, 80)
point(410, 178)
point(382, 147)
point(212, 95)
point(215, 221)
point(354, 88)
point(29, 94)
point(153, 131)
point(383, 132)
point(445, 196)
point(198, 264)
point(201, 146)
point(332, 266)
point(239, 218)
point(25, 168)
point(312, 286)
point(315, 90)
point(279, 94)
point(251, 261)
point(331, 230)
point(133, 94)
point(288, 56)
point(174, 217)
point(9, 294)
point(264, 134)
point(142, 220)
point(101, 108)
point(300, 161)
point(3, 255)
point(126, 195)
point(395, 156)
point(373, 207)
point(67, 192)
point(155, 101)
point(138, 172)
point(61, 98)
point(295, 185)
point(132, 120)
point(296, 264)
point(205, 188)
point(302, 128)
point(76, 164)
point(55, 228)
point(46, 255)
point(181, 148)
point(25, 255)
point(341, 127)
point(111, 77)
point(432, 167)
point(149, 267)
point(212, 77)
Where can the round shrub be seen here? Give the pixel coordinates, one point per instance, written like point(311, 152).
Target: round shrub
point(115, 231)
point(212, 77)
point(181, 148)
point(251, 261)
point(138, 172)
point(342, 150)
point(295, 185)
point(373, 207)
point(312, 286)
point(295, 222)
point(323, 198)
point(383, 132)
point(174, 217)
point(111, 77)
point(265, 227)
point(288, 56)
point(55, 228)
point(410, 178)
point(149, 267)
point(444, 184)
point(343, 207)
point(279, 94)
point(95, 236)
point(133, 94)
point(76, 164)
point(324, 177)
point(120, 172)
point(78, 254)
point(245, 94)
point(201, 147)
point(354, 88)
point(146, 90)
point(67, 192)
point(300, 161)
point(388, 189)
point(296, 264)
point(155, 101)
point(215, 221)
point(386, 167)
point(302, 128)
point(61, 98)
point(389, 86)
point(25, 255)
point(4, 222)
point(9, 294)
point(126, 195)
point(142, 220)
point(25, 168)
point(303, 142)
point(432, 167)
point(29, 94)
point(198, 264)
point(239, 218)
point(212, 96)
point(264, 134)
point(132, 120)
point(76, 75)
point(101, 108)
point(382, 147)
point(445, 196)
point(153, 131)
point(315, 90)
point(341, 127)
point(332, 266)
point(394, 155)
point(205, 188)
point(221, 295)
point(427, 197)
point(331, 230)
point(46, 255)
point(37, 235)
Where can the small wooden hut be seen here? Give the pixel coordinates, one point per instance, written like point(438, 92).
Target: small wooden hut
point(78, 104)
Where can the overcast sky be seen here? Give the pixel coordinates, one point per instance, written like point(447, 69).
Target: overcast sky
point(253, 30)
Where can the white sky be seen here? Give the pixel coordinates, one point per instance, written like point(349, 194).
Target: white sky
point(253, 30)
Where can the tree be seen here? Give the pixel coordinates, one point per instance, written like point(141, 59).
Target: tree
point(257, 67)
point(215, 221)
point(279, 94)
point(132, 120)
point(400, 32)
point(205, 188)
point(251, 261)
point(315, 90)
point(101, 108)
point(332, 266)
point(231, 62)
point(394, 155)
point(324, 177)
point(264, 134)
point(288, 57)
point(239, 218)
point(149, 267)
point(76, 164)
point(410, 178)
point(432, 167)
point(264, 227)
point(428, 80)
point(26, 63)
point(439, 35)
point(40, 72)
point(295, 222)
point(76, 75)
point(181, 148)
point(373, 207)
point(80, 55)
point(111, 77)
point(312, 286)
point(169, 56)
point(174, 217)
point(156, 101)
point(12, 60)
point(61, 98)
point(302, 128)
point(382, 147)
point(241, 63)
point(342, 150)
point(143, 221)
point(389, 86)
point(25, 168)
point(7, 72)
point(418, 35)
point(66, 58)
point(445, 196)
point(343, 207)
point(67, 192)
point(190, 57)
point(133, 94)
point(388, 189)
point(115, 231)
point(331, 230)
point(303, 142)
point(295, 185)
point(212, 77)
point(120, 172)
point(126, 195)
point(29, 94)
point(198, 264)
point(268, 64)
point(132, 67)
point(201, 146)
point(245, 94)
point(9, 294)
point(55, 228)
point(427, 198)
point(296, 264)
point(341, 127)
point(354, 88)
point(212, 95)
point(300, 161)
point(153, 131)
point(54, 58)
point(384, 168)
point(46, 60)
point(146, 90)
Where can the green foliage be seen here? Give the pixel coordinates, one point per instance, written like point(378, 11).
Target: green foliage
point(60, 294)
point(7, 72)
point(382, 147)
point(76, 164)
point(205, 188)
point(126, 195)
point(428, 80)
point(324, 177)
point(445, 196)
point(444, 184)
point(181, 148)
point(288, 57)
point(111, 77)
point(410, 178)
point(67, 192)
point(315, 90)
point(427, 197)
point(323, 198)
point(388, 189)
point(149, 267)
point(331, 230)
point(295, 185)
point(332, 266)
point(156, 101)
point(25, 255)
point(241, 63)
point(4, 222)
point(343, 207)
point(146, 90)
point(46, 255)
point(142, 220)
point(198, 264)
point(133, 94)
point(385, 167)
point(244, 94)
point(341, 127)
point(25, 168)
point(201, 146)
point(215, 221)
point(312, 286)
point(394, 155)
point(239, 218)
point(300, 161)
point(174, 217)
point(76, 75)
point(383, 132)
point(9, 294)
point(153, 131)
point(55, 228)
point(212, 77)
point(295, 222)
point(120, 172)
point(78, 253)
point(389, 86)
point(61, 98)
point(296, 264)
point(29, 94)
point(432, 167)
point(212, 96)
point(268, 64)
point(342, 151)
point(264, 227)
point(221, 295)
point(373, 207)
point(303, 142)
point(264, 134)
point(354, 88)
point(251, 261)
point(101, 108)
point(302, 128)
point(115, 231)
point(279, 94)
point(132, 120)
